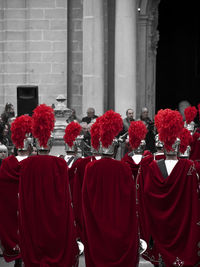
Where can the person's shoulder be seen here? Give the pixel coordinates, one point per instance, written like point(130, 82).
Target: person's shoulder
point(84, 119)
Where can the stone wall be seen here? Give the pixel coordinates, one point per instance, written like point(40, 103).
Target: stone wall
point(33, 48)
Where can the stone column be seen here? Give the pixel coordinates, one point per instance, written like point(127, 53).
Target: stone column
point(93, 55)
point(125, 56)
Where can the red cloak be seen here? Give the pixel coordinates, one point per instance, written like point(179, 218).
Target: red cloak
point(109, 212)
point(77, 192)
point(134, 166)
point(46, 220)
point(151, 254)
point(173, 208)
point(195, 147)
point(9, 183)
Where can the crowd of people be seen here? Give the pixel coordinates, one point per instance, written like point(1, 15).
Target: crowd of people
point(123, 183)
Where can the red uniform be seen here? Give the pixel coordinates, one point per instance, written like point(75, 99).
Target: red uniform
point(109, 212)
point(46, 222)
point(77, 192)
point(195, 147)
point(173, 210)
point(9, 183)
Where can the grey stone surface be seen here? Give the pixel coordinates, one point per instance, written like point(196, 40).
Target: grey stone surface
point(143, 263)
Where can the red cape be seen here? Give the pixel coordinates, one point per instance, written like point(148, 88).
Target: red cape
point(134, 167)
point(77, 192)
point(151, 254)
point(46, 221)
point(195, 147)
point(109, 212)
point(173, 208)
point(9, 183)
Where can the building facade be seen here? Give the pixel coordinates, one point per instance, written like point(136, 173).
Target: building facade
point(97, 53)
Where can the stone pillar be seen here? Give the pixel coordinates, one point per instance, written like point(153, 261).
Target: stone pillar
point(93, 56)
point(125, 56)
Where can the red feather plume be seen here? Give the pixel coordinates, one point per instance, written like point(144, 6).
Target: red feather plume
point(19, 128)
point(158, 119)
point(137, 132)
point(72, 130)
point(95, 133)
point(186, 139)
point(169, 124)
point(43, 123)
point(111, 124)
point(190, 114)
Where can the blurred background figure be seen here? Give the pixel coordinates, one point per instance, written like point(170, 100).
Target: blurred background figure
point(182, 106)
point(3, 152)
point(8, 112)
point(86, 143)
point(150, 137)
point(73, 117)
point(90, 116)
point(4, 135)
point(124, 146)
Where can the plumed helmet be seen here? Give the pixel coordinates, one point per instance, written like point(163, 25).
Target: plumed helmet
point(72, 132)
point(169, 124)
point(42, 126)
point(111, 124)
point(137, 132)
point(20, 132)
point(190, 114)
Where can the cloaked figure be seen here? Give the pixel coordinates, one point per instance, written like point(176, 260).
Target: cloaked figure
point(171, 197)
point(46, 220)
point(9, 187)
point(109, 204)
point(136, 134)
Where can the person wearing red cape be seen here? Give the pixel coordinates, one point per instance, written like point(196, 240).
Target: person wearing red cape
point(9, 183)
point(110, 223)
point(46, 220)
point(136, 134)
point(172, 198)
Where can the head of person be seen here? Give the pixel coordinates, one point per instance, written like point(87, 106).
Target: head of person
point(43, 121)
point(130, 114)
point(20, 132)
point(90, 113)
point(169, 124)
point(144, 113)
point(9, 108)
point(137, 133)
point(111, 124)
point(3, 151)
point(72, 137)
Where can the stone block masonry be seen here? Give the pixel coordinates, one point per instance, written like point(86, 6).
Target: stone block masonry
point(33, 48)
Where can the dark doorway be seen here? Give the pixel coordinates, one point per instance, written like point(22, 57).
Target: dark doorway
point(178, 54)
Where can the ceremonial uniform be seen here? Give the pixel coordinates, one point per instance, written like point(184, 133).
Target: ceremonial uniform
point(195, 147)
point(9, 182)
point(109, 212)
point(46, 222)
point(173, 210)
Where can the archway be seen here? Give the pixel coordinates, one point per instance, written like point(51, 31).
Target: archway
point(178, 54)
